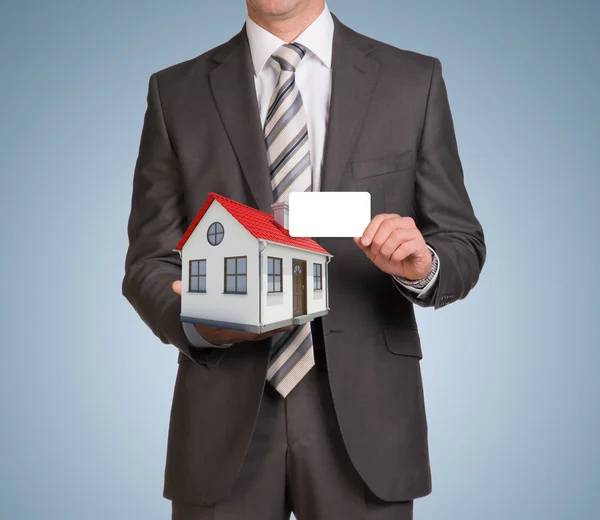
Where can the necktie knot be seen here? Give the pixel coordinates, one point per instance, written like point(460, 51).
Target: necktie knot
point(289, 56)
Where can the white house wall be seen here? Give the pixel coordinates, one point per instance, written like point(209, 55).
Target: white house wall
point(214, 304)
point(279, 306)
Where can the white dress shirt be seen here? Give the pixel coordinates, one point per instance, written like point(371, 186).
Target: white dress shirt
point(313, 78)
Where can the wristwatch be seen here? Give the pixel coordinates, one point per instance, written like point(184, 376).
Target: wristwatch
point(421, 282)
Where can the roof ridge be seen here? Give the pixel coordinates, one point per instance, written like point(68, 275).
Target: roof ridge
point(244, 206)
point(259, 224)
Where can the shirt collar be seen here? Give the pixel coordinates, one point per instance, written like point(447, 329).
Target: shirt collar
point(317, 38)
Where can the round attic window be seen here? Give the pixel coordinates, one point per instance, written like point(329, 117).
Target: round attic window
point(215, 234)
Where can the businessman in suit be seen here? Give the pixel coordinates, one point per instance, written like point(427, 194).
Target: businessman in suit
point(327, 419)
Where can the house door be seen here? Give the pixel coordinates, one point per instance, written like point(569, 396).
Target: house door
point(299, 286)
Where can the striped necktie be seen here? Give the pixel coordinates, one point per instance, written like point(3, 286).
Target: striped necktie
point(288, 153)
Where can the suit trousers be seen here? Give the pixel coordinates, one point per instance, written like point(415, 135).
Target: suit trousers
point(297, 462)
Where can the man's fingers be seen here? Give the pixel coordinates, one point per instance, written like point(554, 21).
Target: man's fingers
point(238, 336)
point(288, 327)
point(371, 229)
point(396, 238)
point(366, 249)
point(384, 218)
point(403, 251)
point(385, 229)
point(266, 335)
point(177, 287)
point(220, 336)
point(358, 242)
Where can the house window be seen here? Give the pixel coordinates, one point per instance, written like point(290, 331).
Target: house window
point(318, 276)
point(235, 275)
point(274, 274)
point(197, 276)
point(215, 234)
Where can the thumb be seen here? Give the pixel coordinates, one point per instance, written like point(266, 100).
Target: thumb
point(365, 249)
point(177, 287)
point(357, 241)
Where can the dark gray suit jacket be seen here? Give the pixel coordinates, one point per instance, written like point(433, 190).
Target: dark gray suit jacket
point(390, 132)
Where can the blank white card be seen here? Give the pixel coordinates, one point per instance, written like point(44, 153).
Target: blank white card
point(329, 213)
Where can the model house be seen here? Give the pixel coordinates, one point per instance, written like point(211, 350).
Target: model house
point(242, 270)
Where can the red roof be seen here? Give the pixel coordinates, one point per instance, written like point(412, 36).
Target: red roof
point(259, 224)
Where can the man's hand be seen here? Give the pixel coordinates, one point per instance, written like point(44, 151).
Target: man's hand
point(220, 336)
point(395, 245)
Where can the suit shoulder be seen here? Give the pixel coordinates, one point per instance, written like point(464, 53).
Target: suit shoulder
point(390, 56)
point(405, 56)
point(201, 63)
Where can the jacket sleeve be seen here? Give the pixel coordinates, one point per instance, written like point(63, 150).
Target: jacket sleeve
point(197, 340)
point(443, 210)
point(156, 223)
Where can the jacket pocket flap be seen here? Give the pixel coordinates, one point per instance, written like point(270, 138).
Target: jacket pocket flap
point(374, 167)
point(404, 341)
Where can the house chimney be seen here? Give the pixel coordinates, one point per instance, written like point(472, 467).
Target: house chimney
point(281, 214)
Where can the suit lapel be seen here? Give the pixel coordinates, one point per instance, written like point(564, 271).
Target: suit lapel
point(232, 84)
point(354, 76)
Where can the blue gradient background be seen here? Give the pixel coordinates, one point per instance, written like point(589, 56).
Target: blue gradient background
point(511, 373)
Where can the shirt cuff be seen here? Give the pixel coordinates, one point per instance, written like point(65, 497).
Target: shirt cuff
point(196, 339)
point(425, 284)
